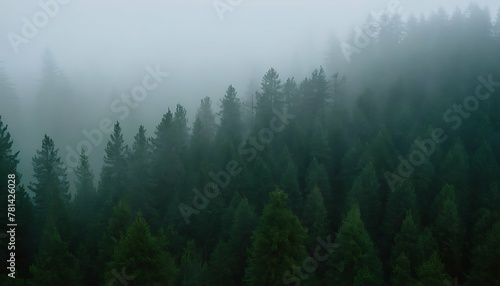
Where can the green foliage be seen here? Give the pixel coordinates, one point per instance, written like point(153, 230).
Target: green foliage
point(315, 217)
point(113, 174)
point(448, 231)
point(230, 116)
point(192, 268)
point(142, 257)
point(401, 271)
point(277, 243)
point(355, 261)
point(432, 273)
point(54, 264)
point(365, 193)
point(484, 259)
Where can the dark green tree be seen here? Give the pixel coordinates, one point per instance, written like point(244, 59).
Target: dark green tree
point(192, 269)
point(432, 273)
point(270, 97)
point(315, 217)
point(277, 243)
point(365, 192)
point(54, 264)
point(142, 257)
point(207, 119)
point(355, 261)
point(449, 233)
point(51, 188)
point(484, 259)
point(230, 117)
point(114, 171)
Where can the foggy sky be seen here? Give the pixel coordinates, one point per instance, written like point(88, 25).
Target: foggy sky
point(119, 38)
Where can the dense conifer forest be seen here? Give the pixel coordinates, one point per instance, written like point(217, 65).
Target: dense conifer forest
point(384, 172)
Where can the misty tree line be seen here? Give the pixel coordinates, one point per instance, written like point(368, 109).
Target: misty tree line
point(321, 179)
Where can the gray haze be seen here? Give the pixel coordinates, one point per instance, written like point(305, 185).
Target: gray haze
point(103, 48)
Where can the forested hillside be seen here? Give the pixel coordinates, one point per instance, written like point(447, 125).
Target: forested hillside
point(384, 172)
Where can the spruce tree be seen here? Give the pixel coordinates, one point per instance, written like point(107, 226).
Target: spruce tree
point(288, 173)
point(230, 117)
point(142, 257)
point(113, 174)
point(432, 273)
point(449, 233)
point(270, 97)
point(51, 188)
point(365, 192)
point(192, 269)
point(207, 119)
point(277, 243)
point(484, 259)
point(54, 264)
point(355, 261)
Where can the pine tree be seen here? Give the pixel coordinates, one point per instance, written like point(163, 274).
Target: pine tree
point(406, 243)
point(401, 271)
point(114, 230)
point(288, 173)
point(84, 212)
point(484, 171)
point(277, 243)
point(432, 273)
point(315, 94)
point(142, 257)
point(454, 170)
point(51, 188)
point(229, 257)
point(113, 174)
point(399, 202)
point(262, 184)
point(353, 162)
point(166, 163)
point(207, 119)
point(54, 264)
point(316, 176)
point(198, 144)
point(192, 269)
point(139, 181)
point(355, 260)
point(85, 190)
point(365, 192)
point(484, 260)
point(270, 97)
point(219, 266)
point(319, 146)
point(315, 217)
point(291, 95)
point(449, 232)
point(230, 117)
